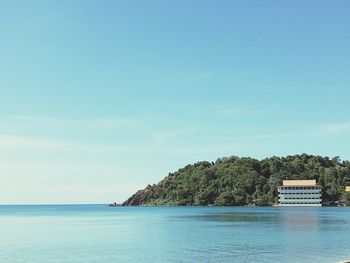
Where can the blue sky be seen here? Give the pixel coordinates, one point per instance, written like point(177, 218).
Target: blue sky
point(99, 99)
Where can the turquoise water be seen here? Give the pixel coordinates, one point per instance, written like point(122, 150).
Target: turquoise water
point(96, 233)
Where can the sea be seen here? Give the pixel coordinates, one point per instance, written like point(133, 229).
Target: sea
point(98, 233)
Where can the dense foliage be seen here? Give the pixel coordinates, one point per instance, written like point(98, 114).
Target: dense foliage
point(242, 181)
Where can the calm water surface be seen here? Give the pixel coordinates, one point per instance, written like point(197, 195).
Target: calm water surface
point(96, 233)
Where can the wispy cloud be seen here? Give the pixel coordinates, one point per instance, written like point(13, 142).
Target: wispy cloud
point(35, 144)
point(98, 123)
point(336, 128)
point(160, 141)
point(154, 147)
point(32, 143)
point(171, 134)
point(191, 76)
point(231, 111)
point(110, 122)
point(36, 118)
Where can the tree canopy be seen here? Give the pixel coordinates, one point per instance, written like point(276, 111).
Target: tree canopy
point(244, 181)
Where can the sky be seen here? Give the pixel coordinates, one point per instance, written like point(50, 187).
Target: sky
point(100, 98)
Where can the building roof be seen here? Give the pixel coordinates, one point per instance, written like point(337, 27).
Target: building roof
point(299, 182)
point(347, 189)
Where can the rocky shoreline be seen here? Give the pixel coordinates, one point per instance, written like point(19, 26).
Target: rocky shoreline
point(136, 199)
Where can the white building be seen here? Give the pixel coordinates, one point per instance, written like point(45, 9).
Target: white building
point(299, 193)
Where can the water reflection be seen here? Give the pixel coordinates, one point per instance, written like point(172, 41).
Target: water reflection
point(300, 219)
point(234, 215)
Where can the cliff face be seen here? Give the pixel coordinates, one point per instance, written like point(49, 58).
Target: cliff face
point(244, 181)
point(138, 198)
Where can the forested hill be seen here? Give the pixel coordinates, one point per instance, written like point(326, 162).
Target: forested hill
point(242, 181)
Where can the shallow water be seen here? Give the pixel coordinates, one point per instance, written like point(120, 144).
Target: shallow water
point(96, 233)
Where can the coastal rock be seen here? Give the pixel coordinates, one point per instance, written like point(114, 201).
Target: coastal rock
point(137, 198)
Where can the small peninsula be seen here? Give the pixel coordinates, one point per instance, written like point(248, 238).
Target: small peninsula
point(231, 181)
